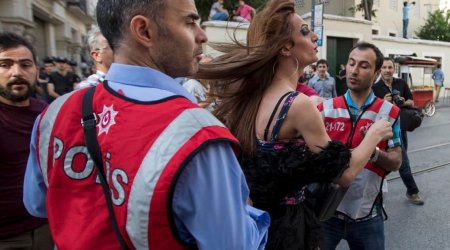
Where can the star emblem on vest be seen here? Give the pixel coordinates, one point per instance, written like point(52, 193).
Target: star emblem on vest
point(106, 119)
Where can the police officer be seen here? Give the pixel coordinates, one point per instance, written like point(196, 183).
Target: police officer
point(171, 167)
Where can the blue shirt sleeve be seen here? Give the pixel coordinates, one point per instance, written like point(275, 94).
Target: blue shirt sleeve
point(34, 188)
point(210, 203)
point(395, 141)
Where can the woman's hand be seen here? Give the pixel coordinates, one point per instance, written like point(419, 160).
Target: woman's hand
point(381, 130)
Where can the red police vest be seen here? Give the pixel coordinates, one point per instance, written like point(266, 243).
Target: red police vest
point(144, 148)
point(362, 193)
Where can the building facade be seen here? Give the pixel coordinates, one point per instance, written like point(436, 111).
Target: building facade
point(54, 27)
point(342, 28)
point(388, 13)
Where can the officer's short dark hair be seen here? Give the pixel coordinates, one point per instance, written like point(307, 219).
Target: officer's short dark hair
point(379, 56)
point(9, 40)
point(113, 17)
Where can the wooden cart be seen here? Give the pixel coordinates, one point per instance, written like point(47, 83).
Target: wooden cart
point(419, 81)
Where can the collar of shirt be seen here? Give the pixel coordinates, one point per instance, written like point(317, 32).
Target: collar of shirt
point(317, 78)
point(397, 84)
point(353, 106)
point(146, 77)
point(100, 73)
point(385, 85)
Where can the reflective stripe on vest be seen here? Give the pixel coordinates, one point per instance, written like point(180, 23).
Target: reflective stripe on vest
point(334, 112)
point(46, 124)
point(330, 111)
point(170, 140)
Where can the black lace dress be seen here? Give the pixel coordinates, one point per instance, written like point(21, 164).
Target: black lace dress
point(278, 175)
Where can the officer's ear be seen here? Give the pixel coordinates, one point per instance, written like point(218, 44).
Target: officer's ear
point(143, 30)
point(375, 76)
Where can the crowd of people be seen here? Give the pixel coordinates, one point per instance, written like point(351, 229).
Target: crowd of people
point(243, 12)
point(58, 75)
point(160, 159)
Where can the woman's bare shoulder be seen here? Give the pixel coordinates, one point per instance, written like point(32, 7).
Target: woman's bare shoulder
point(302, 105)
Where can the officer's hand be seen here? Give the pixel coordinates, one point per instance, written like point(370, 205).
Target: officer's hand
point(381, 130)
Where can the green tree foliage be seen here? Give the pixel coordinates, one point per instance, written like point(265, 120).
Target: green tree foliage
point(203, 6)
point(437, 27)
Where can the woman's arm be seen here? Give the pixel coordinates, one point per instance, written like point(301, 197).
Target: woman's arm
point(307, 120)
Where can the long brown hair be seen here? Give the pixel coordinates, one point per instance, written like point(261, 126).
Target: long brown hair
point(244, 72)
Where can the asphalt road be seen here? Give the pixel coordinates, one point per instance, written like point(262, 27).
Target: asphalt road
point(422, 227)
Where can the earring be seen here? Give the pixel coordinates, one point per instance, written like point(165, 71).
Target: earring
point(296, 69)
point(273, 67)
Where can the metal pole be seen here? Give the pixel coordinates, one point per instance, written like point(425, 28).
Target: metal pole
point(367, 9)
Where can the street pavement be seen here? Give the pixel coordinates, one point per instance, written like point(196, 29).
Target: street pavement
point(422, 227)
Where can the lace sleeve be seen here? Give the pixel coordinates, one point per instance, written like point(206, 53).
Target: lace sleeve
point(275, 174)
point(323, 167)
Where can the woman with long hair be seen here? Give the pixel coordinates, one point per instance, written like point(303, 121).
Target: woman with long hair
point(285, 145)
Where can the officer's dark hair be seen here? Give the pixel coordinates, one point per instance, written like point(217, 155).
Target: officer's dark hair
point(114, 16)
point(365, 45)
point(438, 66)
point(9, 40)
point(322, 61)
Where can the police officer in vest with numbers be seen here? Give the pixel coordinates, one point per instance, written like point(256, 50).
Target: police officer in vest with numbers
point(359, 216)
point(172, 175)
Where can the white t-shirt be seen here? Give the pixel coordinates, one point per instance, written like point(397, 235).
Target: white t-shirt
point(198, 90)
point(195, 88)
point(404, 69)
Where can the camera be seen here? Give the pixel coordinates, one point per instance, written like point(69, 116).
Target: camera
point(396, 98)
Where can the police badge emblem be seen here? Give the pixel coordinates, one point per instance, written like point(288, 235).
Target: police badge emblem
point(106, 119)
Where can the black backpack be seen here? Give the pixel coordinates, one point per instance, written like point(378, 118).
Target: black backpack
point(410, 118)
